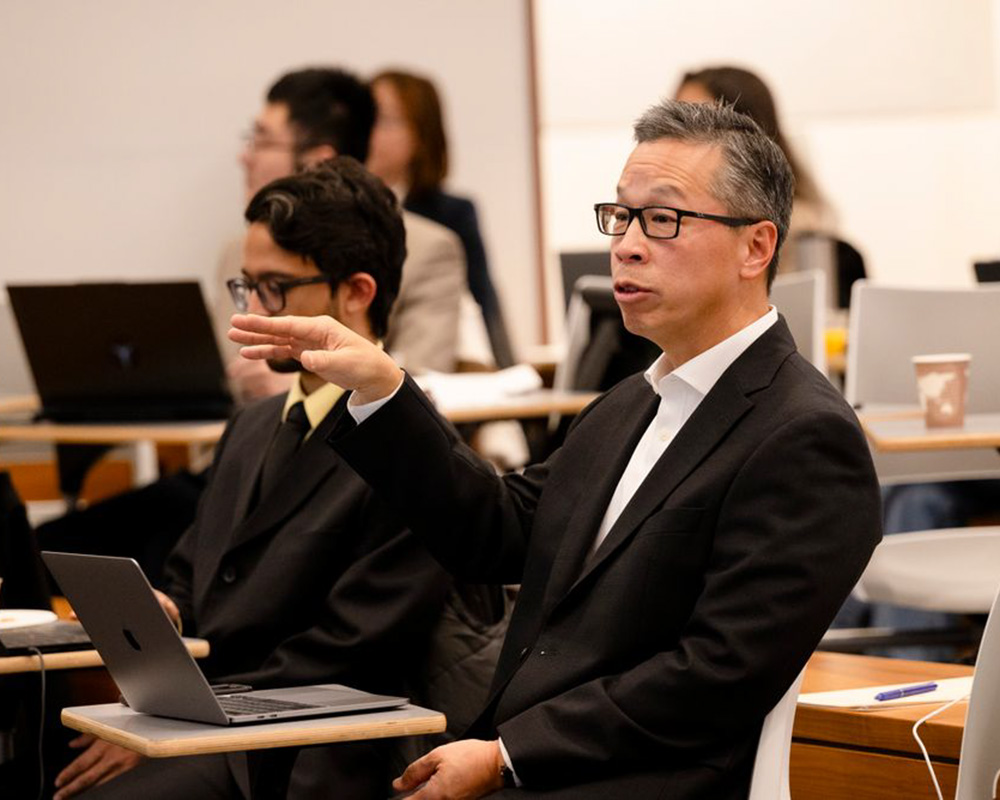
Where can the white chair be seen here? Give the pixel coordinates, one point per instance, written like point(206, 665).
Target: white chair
point(770, 767)
point(979, 761)
point(890, 325)
point(800, 297)
point(955, 570)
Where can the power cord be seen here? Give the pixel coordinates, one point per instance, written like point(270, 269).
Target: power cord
point(920, 743)
point(41, 723)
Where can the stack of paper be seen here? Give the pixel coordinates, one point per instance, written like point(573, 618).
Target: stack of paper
point(470, 389)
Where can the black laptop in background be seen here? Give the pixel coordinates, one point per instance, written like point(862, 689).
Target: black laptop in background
point(120, 352)
point(987, 271)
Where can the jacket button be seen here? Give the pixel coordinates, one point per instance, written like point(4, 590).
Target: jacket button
point(524, 653)
point(229, 574)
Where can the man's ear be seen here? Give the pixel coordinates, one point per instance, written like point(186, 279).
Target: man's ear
point(314, 155)
point(354, 295)
point(761, 243)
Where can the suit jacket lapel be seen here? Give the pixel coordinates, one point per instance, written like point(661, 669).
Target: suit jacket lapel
point(254, 459)
point(311, 465)
point(597, 487)
point(723, 407)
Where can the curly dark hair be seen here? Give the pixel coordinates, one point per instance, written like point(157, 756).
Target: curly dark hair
point(345, 220)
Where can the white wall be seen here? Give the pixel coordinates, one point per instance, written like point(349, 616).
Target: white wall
point(892, 103)
point(119, 134)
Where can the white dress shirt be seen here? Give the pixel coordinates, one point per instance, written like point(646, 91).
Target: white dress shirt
point(680, 392)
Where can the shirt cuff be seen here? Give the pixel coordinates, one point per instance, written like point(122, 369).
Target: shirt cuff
point(506, 760)
point(361, 411)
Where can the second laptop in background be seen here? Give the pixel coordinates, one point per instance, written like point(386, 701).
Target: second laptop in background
point(116, 352)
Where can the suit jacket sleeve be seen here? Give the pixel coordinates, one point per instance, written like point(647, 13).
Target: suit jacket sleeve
point(423, 325)
point(483, 537)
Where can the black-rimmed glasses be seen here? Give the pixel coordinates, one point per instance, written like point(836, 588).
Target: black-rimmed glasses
point(657, 222)
point(270, 291)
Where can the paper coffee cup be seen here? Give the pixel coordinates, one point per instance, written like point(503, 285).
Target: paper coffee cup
point(943, 385)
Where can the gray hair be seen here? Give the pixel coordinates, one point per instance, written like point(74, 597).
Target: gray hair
point(754, 181)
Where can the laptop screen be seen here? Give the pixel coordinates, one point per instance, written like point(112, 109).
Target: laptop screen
point(121, 351)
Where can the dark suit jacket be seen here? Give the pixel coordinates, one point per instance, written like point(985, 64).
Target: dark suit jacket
point(320, 582)
point(649, 667)
point(459, 215)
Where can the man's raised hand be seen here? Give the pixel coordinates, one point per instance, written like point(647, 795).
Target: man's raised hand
point(324, 347)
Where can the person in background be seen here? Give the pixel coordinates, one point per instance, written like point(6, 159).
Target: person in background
point(310, 115)
point(293, 570)
point(749, 95)
point(409, 151)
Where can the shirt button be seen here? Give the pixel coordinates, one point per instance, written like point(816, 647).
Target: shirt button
point(524, 653)
point(229, 575)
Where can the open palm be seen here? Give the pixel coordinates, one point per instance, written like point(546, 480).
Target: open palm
point(323, 346)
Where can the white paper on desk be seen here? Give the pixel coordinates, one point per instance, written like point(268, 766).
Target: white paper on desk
point(464, 389)
point(864, 699)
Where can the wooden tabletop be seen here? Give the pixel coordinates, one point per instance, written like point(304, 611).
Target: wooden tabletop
point(160, 737)
point(888, 730)
point(905, 432)
point(532, 405)
point(78, 659)
point(114, 433)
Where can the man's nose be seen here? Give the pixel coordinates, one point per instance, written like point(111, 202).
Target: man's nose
point(254, 305)
point(632, 245)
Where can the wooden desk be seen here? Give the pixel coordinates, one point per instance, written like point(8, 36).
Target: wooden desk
point(905, 432)
point(841, 754)
point(143, 437)
point(78, 659)
point(531, 405)
point(190, 433)
point(160, 737)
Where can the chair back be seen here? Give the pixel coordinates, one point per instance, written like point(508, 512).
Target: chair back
point(979, 762)
point(800, 297)
point(599, 351)
point(890, 325)
point(840, 263)
point(770, 767)
point(955, 570)
point(573, 266)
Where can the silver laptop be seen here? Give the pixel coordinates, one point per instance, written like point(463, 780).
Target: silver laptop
point(154, 671)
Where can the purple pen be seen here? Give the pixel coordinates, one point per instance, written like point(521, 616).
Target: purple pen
point(906, 691)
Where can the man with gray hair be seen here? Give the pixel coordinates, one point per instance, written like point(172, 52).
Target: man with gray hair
point(683, 552)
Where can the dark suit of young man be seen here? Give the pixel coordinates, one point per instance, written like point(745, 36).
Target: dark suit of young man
point(314, 582)
point(293, 570)
point(680, 556)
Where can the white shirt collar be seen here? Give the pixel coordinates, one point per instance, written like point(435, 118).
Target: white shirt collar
point(702, 371)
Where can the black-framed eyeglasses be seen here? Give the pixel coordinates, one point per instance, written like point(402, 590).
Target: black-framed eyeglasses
point(271, 291)
point(657, 222)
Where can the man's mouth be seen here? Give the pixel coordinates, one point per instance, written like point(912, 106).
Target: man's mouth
point(628, 289)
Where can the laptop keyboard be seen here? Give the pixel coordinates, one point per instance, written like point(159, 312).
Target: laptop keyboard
point(238, 705)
